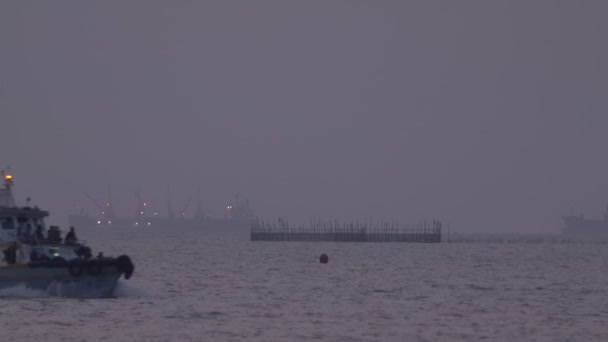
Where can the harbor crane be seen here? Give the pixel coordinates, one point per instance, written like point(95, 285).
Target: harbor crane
point(106, 210)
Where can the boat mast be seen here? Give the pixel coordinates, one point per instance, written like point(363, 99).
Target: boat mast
point(141, 205)
point(109, 209)
point(199, 209)
point(8, 192)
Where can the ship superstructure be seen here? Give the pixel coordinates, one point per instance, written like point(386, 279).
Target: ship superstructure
point(238, 215)
point(578, 225)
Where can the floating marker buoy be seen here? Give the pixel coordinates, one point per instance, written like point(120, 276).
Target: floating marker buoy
point(324, 258)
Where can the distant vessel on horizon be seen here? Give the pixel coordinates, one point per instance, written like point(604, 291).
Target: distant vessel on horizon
point(238, 216)
point(579, 226)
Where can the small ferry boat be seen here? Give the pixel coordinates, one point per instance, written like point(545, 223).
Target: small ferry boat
point(36, 257)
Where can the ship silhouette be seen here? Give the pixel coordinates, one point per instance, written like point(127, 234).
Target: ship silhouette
point(579, 226)
point(237, 216)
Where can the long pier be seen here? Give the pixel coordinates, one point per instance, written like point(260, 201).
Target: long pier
point(520, 238)
point(334, 231)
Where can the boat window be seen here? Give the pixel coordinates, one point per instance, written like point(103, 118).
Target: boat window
point(38, 222)
point(65, 253)
point(7, 223)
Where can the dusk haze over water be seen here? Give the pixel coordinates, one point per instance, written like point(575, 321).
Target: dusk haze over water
point(304, 170)
point(489, 115)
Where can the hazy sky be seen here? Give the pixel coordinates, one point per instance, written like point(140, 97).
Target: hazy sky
point(492, 115)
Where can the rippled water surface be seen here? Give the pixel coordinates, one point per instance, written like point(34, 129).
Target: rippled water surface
point(189, 286)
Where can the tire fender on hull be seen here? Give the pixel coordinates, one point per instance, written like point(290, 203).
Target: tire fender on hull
point(94, 268)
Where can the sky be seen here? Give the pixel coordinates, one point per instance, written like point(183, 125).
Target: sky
point(488, 115)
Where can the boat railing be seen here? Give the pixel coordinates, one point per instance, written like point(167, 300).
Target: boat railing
point(34, 240)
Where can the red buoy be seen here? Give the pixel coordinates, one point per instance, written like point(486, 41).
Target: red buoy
point(324, 258)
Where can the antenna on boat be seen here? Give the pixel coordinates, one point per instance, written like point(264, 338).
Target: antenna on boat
point(8, 193)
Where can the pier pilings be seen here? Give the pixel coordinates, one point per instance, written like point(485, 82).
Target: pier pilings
point(334, 231)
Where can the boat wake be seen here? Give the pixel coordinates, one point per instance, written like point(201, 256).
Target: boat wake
point(126, 290)
point(21, 291)
point(59, 290)
point(74, 290)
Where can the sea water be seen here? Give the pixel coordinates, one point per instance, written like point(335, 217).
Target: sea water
point(193, 286)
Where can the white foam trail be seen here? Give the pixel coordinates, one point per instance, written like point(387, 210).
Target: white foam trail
point(21, 291)
point(126, 290)
point(72, 290)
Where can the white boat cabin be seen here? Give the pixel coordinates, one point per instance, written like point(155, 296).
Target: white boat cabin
point(24, 236)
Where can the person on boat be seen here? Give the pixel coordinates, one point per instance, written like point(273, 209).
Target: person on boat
point(70, 238)
point(54, 234)
point(28, 230)
point(10, 254)
point(39, 234)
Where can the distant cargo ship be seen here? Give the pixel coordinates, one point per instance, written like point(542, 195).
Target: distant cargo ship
point(238, 217)
point(579, 226)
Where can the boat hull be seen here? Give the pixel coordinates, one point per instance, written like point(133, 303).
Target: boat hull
point(60, 282)
point(585, 228)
